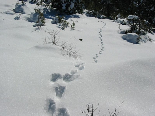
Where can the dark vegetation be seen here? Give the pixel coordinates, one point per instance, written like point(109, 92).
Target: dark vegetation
point(142, 11)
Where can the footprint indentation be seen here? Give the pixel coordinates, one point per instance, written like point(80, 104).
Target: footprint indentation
point(73, 72)
point(69, 77)
point(56, 76)
point(80, 66)
point(95, 60)
point(59, 90)
point(62, 112)
point(101, 40)
point(50, 106)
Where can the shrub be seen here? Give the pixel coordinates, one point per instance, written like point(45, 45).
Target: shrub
point(91, 111)
point(62, 23)
point(54, 37)
point(73, 26)
point(138, 26)
point(40, 18)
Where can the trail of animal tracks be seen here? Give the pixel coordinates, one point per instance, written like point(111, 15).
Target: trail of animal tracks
point(39, 79)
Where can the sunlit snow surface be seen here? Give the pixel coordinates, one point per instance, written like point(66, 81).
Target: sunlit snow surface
point(39, 79)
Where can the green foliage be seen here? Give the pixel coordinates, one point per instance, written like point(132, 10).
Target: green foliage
point(144, 9)
point(138, 26)
point(63, 23)
point(41, 19)
point(108, 8)
point(62, 6)
point(33, 1)
point(60, 19)
point(73, 26)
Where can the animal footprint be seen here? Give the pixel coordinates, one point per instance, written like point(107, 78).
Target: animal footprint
point(69, 77)
point(77, 65)
point(62, 112)
point(56, 76)
point(50, 106)
point(73, 72)
point(95, 60)
point(100, 52)
point(59, 90)
point(80, 66)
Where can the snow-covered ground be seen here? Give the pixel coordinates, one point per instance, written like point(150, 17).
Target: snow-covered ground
point(40, 79)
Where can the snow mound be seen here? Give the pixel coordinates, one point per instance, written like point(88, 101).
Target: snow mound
point(131, 37)
point(21, 8)
point(33, 17)
point(121, 21)
point(130, 17)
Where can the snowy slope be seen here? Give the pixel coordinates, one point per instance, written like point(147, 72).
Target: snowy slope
point(38, 79)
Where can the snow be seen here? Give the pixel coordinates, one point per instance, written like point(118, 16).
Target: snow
point(72, 5)
point(33, 17)
point(122, 21)
point(39, 79)
point(131, 37)
point(132, 17)
point(63, 6)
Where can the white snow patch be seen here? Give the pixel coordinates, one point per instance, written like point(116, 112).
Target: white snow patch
point(132, 17)
point(37, 80)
